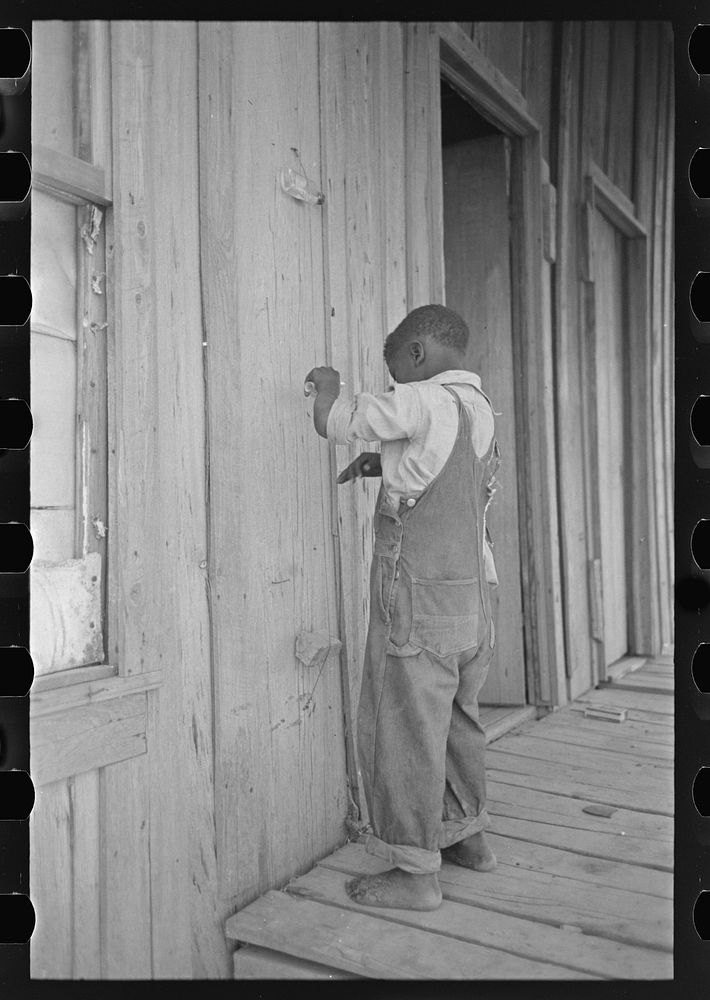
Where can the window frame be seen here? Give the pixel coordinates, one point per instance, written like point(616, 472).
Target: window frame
point(85, 181)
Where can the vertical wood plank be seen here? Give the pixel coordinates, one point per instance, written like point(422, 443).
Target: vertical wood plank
point(569, 338)
point(537, 481)
point(391, 171)
point(362, 107)
point(660, 385)
point(279, 743)
point(162, 165)
point(594, 44)
point(597, 47)
point(125, 871)
point(538, 53)
point(645, 112)
point(620, 113)
point(666, 531)
point(81, 90)
point(51, 945)
point(649, 178)
point(85, 915)
point(425, 266)
point(502, 43)
point(137, 463)
point(172, 159)
point(645, 625)
point(99, 44)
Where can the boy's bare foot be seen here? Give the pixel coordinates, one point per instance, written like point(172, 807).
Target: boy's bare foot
point(473, 852)
point(403, 890)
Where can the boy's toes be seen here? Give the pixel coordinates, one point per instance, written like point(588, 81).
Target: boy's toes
point(354, 888)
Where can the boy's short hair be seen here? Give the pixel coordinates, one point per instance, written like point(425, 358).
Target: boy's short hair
point(435, 321)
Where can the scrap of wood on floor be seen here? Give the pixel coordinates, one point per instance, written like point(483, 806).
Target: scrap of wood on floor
point(582, 825)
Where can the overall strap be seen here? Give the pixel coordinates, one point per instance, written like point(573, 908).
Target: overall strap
point(471, 385)
point(493, 451)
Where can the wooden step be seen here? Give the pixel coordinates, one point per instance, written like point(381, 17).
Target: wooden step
point(513, 937)
point(372, 946)
point(251, 962)
point(557, 899)
point(576, 895)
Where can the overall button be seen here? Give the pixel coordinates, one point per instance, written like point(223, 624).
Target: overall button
point(411, 502)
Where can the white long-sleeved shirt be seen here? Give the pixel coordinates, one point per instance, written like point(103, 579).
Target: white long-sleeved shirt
point(417, 423)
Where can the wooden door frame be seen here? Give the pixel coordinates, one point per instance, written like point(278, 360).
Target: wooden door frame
point(474, 77)
point(601, 194)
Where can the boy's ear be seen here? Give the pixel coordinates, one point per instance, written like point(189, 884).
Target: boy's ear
point(416, 351)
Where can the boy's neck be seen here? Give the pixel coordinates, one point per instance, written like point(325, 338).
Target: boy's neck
point(432, 369)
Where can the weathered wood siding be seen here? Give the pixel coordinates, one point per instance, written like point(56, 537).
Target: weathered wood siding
point(279, 768)
point(601, 93)
point(150, 906)
point(524, 52)
point(213, 765)
point(363, 144)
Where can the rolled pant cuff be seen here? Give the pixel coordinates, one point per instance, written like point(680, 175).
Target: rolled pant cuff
point(415, 860)
point(455, 830)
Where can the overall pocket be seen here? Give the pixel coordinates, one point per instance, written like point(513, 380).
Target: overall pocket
point(445, 615)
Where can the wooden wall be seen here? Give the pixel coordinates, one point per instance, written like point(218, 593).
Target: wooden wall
point(133, 841)
point(226, 532)
point(602, 92)
point(279, 745)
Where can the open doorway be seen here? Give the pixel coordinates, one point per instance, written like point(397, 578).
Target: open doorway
point(478, 283)
point(611, 418)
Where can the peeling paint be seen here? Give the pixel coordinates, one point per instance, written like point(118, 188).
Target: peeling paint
point(99, 527)
point(91, 229)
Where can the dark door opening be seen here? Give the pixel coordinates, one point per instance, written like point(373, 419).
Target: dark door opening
point(612, 294)
point(478, 284)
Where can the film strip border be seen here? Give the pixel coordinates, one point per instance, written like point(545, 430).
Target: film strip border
point(692, 488)
point(692, 483)
point(17, 916)
point(693, 498)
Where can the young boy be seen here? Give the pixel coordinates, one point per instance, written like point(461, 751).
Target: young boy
point(431, 635)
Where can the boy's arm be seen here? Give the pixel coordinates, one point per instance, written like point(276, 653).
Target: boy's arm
point(389, 416)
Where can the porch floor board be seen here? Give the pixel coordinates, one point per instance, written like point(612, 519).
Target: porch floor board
point(582, 827)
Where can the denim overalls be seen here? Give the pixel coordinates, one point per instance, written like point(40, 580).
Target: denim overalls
point(429, 647)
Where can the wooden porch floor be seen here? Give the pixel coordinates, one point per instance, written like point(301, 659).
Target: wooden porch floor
point(582, 825)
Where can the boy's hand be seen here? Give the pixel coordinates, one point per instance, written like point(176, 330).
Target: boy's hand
point(326, 380)
point(366, 464)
